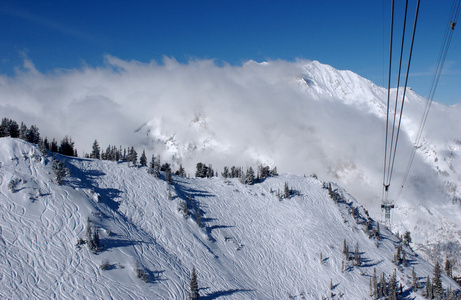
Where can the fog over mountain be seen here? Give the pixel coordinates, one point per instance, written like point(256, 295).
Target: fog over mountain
point(304, 117)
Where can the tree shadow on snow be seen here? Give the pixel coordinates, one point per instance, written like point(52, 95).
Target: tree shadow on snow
point(107, 196)
point(87, 181)
point(116, 243)
point(369, 263)
point(155, 276)
point(209, 230)
point(218, 294)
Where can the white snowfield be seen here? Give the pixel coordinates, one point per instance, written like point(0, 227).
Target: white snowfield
point(250, 244)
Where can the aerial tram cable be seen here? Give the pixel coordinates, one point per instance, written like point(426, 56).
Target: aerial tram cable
point(385, 185)
point(389, 162)
point(393, 147)
point(404, 88)
point(441, 60)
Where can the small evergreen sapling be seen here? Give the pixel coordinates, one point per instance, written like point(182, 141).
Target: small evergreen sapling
point(143, 159)
point(374, 283)
point(198, 218)
point(286, 191)
point(437, 281)
point(428, 290)
point(357, 256)
point(414, 281)
point(141, 273)
point(60, 170)
point(194, 294)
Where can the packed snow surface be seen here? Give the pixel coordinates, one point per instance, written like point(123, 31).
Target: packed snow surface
point(251, 244)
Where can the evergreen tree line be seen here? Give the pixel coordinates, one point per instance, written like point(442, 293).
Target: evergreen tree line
point(10, 128)
point(249, 177)
point(116, 154)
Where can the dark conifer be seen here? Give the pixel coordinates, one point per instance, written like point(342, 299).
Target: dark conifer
point(428, 292)
point(414, 281)
point(437, 281)
point(194, 293)
point(143, 159)
point(286, 191)
point(250, 176)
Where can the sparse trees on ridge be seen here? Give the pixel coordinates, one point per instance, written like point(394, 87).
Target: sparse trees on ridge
point(67, 147)
point(203, 171)
point(9, 127)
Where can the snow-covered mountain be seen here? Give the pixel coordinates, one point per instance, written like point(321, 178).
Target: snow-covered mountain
point(329, 122)
point(250, 245)
point(304, 117)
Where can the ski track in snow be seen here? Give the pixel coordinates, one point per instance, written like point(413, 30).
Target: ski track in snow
point(251, 245)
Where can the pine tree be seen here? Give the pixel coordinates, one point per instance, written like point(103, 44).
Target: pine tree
point(286, 191)
point(414, 282)
point(225, 174)
point(382, 286)
point(198, 218)
point(398, 257)
point(32, 135)
point(143, 159)
point(374, 284)
point(67, 147)
point(448, 267)
point(155, 166)
point(60, 171)
point(437, 282)
point(346, 250)
point(392, 287)
point(132, 156)
point(407, 238)
point(181, 171)
point(357, 256)
point(96, 150)
point(194, 294)
point(168, 175)
point(92, 237)
point(201, 170)
point(23, 131)
point(428, 291)
point(250, 176)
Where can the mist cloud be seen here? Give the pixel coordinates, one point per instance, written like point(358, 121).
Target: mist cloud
point(288, 114)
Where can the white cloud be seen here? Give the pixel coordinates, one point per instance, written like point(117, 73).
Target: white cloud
point(257, 112)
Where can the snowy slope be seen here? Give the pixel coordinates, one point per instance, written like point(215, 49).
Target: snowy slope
point(251, 245)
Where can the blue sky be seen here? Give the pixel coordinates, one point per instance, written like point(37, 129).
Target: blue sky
point(349, 35)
